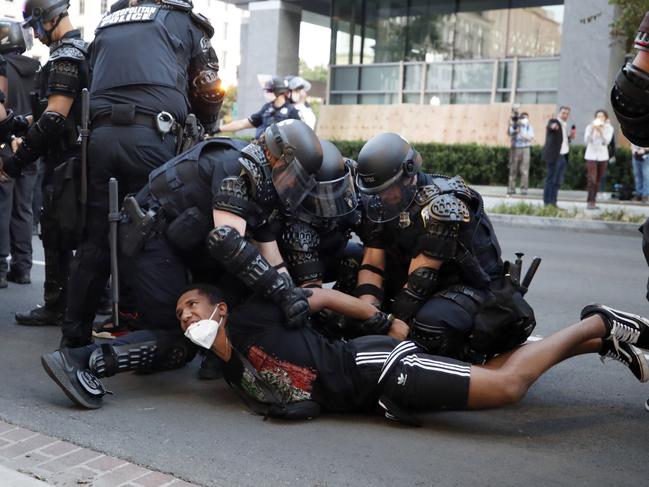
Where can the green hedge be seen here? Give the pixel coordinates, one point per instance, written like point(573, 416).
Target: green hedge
point(488, 165)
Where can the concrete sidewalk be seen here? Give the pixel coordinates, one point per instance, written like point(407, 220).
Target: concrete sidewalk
point(585, 220)
point(30, 459)
point(11, 478)
point(568, 199)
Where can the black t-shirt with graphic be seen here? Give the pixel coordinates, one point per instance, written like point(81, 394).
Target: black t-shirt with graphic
point(300, 364)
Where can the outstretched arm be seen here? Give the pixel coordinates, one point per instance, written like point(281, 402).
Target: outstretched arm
point(351, 307)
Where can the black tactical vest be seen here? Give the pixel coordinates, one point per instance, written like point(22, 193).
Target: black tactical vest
point(178, 185)
point(139, 31)
point(477, 258)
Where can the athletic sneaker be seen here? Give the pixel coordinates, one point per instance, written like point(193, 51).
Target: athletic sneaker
point(630, 356)
point(107, 328)
point(80, 385)
point(622, 327)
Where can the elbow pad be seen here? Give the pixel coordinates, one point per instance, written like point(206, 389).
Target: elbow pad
point(40, 135)
point(422, 282)
point(242, 259)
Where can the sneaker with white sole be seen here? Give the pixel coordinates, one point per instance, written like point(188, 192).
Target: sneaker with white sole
point(628, 355)
point(622, 327)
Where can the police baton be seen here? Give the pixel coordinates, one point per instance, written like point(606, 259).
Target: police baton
point(534, 266)
point(85, 134)
point(113, 220)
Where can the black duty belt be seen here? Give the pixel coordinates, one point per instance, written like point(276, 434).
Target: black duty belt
point(138, 119)
point(163, 122)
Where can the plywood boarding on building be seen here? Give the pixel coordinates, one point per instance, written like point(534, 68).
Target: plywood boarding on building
point(449, 124)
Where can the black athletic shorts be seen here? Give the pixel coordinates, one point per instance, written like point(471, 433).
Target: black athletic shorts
point(410, 377)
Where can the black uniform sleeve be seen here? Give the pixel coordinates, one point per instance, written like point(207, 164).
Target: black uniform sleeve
point(256, 119)
point(293, 113)
point(299, 245)
point(232, 194)
point(3, 67)
point(64, 78)
point(205, 93)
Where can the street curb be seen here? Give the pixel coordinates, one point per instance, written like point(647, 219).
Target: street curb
point(572, 224)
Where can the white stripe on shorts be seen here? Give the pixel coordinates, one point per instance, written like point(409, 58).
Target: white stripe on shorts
point(439, 369)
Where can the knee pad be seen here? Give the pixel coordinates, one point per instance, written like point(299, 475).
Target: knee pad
point(438, 338)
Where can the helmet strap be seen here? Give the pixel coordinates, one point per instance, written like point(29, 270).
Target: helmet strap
point(56, 23)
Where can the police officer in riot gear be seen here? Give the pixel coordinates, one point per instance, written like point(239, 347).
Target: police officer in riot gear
point(226, 193)
point(315, 239)
point(16, 195)
point(168, 68)
point(53, 136)
point(430, 239)
point(277, 108)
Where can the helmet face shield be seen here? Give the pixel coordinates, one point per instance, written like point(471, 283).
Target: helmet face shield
point(292, 182)
point(388, 201)
point(331, 199)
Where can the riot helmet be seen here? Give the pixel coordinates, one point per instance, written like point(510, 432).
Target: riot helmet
point(36, 12)
point(387, 176)
point(298, 83)
point(13, 37)
point(333, 194)
point(298, 156)
point(276, 86)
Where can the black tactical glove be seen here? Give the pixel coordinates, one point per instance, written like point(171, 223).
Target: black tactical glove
point(293, 302)
point(10, 167)
point(21, 125)
point(378, 324)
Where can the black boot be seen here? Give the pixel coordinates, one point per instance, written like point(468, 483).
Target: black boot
point(40, 316)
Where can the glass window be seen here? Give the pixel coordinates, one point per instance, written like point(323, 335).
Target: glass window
point(345, 79)
point(412, 98)
point(473, 76)
point(549, 97)
point(346, 32)
point(439, 77)
point(377, 99)
point(534, 32)
point(386, 23)
point(538, 74)
point(380, 78)
point(430, 31)
point(412, 74)
point(343, 99)
point(505, 74)
point(470, 98)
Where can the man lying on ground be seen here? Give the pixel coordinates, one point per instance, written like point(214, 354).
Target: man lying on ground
point(297, 372)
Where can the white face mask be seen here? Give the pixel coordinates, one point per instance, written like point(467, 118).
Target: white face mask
point(524, 121)
point(269, 97)
point(203, 332)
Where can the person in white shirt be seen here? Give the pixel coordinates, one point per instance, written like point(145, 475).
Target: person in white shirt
point(597, 137)
point(298, 89)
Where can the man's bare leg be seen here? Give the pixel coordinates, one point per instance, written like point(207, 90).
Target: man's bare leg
point(520, 368)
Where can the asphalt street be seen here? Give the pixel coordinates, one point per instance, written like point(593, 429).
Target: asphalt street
point(583, 423)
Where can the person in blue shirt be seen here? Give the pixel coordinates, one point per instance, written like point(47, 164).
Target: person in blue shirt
point(277, 108)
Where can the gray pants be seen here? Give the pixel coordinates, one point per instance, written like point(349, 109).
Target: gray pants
point(16, 221)
point(519, 162)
